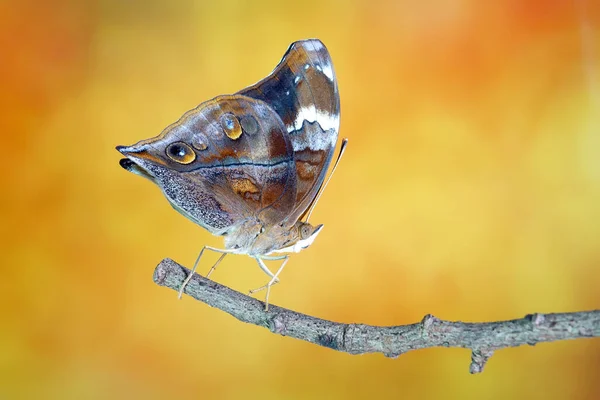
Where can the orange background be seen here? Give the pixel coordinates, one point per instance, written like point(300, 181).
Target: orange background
point(470, 190)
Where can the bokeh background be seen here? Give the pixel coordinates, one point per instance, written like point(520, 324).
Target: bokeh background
point(470, 190)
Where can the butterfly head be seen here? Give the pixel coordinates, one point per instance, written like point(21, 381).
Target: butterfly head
point(291, 240)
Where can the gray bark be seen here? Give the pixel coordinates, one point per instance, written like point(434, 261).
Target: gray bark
point(481, 338)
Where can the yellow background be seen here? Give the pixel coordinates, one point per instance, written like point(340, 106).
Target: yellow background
point(470, 190)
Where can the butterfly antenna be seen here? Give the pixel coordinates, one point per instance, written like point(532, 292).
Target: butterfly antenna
point(339, 157)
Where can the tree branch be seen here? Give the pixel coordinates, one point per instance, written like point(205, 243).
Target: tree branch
point(481, 338)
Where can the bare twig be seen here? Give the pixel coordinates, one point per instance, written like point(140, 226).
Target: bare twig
point(481, 338)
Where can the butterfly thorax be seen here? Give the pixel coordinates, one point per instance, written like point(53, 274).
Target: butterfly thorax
point(254, 238)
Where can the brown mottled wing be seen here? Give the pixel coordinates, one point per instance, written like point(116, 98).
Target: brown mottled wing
point(303, 91)
point(262, 152)
point(243, 170)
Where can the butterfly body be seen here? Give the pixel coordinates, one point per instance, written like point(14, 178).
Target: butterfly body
point(248, 166)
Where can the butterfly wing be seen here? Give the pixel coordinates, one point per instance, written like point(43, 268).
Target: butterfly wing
point(303, 91)
point(261, 153)
point(222, 163)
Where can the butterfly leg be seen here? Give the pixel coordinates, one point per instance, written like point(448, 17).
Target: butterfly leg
point(266, 270)
point(189, 277)
point(212, 269)
point(274, 277)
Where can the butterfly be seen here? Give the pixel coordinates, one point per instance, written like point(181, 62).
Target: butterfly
point(251, 166)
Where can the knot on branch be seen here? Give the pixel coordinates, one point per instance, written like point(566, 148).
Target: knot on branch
point(536, 319)
point(277, 324)
point(478, 360)
point(427, 324)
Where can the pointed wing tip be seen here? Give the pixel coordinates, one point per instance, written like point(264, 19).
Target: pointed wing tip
point(311, 43)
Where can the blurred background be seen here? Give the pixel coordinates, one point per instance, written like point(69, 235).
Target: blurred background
point(470, 190)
